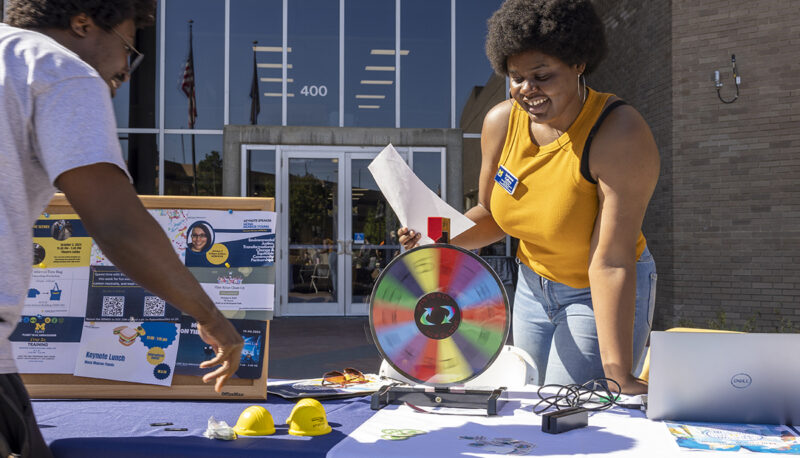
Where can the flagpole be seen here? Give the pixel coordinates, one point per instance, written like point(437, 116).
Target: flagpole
point(194, 167)
point(255, 106)
point(192, 106)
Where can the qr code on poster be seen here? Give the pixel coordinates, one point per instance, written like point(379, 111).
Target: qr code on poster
point(113, 305)
point(153, 306)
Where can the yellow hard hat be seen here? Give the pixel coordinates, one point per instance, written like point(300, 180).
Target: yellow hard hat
point(255, 421)
point(308, 419)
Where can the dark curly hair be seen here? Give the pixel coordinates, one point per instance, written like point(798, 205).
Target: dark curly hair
point(569, 30)
point(107, 14)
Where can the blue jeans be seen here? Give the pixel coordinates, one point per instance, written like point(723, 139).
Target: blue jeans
point(555, 324)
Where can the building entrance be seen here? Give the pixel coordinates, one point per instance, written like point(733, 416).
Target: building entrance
point(335, 232)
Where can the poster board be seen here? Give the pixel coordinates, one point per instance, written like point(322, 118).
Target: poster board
point(65, 386)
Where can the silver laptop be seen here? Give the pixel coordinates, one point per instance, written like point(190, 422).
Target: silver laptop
point(724, 378)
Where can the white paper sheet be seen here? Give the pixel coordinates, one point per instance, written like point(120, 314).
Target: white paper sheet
point(411, 200)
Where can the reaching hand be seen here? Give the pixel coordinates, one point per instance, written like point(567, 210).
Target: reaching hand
point(227, 345)
point(408, 238)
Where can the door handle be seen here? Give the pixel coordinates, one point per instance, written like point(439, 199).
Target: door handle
point(349, 247)
point(340, 247)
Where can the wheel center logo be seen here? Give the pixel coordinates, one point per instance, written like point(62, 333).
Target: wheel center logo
point(437, 315)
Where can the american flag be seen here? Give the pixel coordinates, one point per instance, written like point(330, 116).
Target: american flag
point(187, 82)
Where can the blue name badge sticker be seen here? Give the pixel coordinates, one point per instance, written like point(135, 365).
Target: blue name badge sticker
point(506, 180)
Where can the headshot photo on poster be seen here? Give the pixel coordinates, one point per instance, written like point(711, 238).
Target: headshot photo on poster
point(199, 238)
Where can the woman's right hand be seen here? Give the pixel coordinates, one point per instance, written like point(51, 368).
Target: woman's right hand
point(408, 238)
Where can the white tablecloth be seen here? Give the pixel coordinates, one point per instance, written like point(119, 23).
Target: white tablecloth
point(616, 433)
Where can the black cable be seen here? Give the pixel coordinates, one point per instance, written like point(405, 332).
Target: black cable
point(595, 391)
point(735, 81)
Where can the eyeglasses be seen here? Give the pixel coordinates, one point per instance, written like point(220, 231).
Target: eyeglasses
point(199, 236)
point(134, 56)
point(345, 377)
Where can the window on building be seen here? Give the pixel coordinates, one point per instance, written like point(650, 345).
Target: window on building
point(261, 172)
point(369, 72)
point(141, 154)
point(261, 21)
point(182, 159)
point(425, 70)
point(208, 33)
point(428, 167)
point(313, 80)
point(472, 66)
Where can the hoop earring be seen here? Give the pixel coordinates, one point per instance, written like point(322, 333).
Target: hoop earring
point(581, 77)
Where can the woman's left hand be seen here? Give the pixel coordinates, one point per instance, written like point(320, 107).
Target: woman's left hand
point(632, 386)
point(625, 163)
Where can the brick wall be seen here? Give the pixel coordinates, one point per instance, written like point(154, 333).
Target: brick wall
point(736, 167)
point(726, 214)
point(638, 69)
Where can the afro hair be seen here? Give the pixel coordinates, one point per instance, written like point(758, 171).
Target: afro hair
point(107, 14)
point(569, 30)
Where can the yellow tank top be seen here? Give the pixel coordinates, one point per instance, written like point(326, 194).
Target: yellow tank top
point(553, 209)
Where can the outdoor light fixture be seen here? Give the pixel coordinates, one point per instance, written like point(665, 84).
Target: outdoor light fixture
point(736, 79)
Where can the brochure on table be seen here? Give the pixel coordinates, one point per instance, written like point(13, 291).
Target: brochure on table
point(83, 316)
point(734, 437)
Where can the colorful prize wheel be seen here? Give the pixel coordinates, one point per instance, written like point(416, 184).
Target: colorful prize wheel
point(439, 315)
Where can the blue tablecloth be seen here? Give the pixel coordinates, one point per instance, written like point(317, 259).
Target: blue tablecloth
point(80, 428)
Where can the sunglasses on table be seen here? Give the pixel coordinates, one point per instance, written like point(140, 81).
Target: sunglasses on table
point(343, 378)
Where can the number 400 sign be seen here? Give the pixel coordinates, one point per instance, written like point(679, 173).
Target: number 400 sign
point(314, 91)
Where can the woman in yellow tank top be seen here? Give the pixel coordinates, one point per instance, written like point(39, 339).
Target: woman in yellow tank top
point(569, 172)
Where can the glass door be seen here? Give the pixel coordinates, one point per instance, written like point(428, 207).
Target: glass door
point(313, 232)
point(371, 231)
point(337, 232)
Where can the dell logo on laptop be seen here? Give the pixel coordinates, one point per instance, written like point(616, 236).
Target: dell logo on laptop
point(741, 381)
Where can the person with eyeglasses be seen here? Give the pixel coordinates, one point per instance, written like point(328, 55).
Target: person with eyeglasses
point(198, 240)
point(61, 61)
point(199, 237)
point(134, 59)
